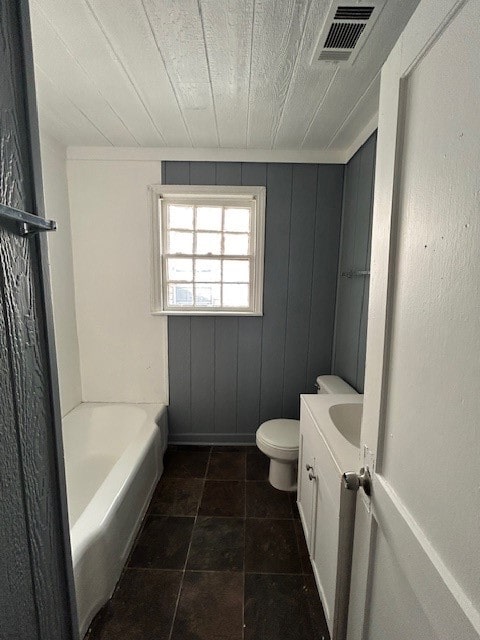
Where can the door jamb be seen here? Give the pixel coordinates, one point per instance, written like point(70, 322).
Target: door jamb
point(46, 300)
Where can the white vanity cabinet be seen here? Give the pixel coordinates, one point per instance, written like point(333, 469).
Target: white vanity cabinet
point(319, 492)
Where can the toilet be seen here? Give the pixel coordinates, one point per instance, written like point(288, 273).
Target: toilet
point(279, 439)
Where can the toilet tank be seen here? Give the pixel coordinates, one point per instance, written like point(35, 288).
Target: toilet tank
point(333, 384)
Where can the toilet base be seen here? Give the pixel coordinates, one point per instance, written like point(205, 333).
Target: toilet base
point(283, 475)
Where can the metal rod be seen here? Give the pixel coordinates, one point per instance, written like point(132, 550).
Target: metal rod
point(25, 223)
point(354, 274)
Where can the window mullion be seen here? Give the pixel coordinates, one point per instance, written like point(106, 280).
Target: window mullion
point(164, 245)
point(252, 242)
point(194, 285)
point(209, 256)
point(222, 250)
point(251, 283)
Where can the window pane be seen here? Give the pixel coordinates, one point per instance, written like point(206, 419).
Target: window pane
point(209, 218)
point(209, 243)
point(236, 271)
point(236, 244)
point(180, 242)
point(207, 270)
point(207, 295)
point(236, 295)
point(180, 269)
point(180, 216)
point(237, 219)
point(180, 295)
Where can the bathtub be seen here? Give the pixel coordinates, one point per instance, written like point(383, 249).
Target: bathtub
point(113, 460)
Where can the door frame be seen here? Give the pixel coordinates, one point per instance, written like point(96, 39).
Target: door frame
point(49, 560)
point(47, 303)
point(433, 584)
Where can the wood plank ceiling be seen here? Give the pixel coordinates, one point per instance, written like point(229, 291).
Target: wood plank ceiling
point(202, 73)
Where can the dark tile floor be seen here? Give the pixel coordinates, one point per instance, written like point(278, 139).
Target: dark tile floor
point(221, 556)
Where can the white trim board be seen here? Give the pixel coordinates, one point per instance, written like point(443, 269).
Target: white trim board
point(308, 156)
point(161, 154)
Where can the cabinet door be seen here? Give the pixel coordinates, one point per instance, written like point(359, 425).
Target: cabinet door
point(324, 548)
point(307, 488)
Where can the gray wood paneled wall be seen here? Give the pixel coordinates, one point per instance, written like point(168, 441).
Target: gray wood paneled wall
point(352, 294)
point(229, 374)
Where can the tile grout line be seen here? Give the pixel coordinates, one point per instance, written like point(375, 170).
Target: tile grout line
point(223, 571)
point(188, 550)
point(176, 515)
point(275, 573)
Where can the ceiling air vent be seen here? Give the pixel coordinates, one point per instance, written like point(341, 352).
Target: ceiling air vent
point(345, 31)
point(334, 56)
point(343, 35)
point(353, 13)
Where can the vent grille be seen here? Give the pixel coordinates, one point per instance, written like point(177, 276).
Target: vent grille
point(353, 13)
point(345, 30)
point(343, 35)
point(334, 56)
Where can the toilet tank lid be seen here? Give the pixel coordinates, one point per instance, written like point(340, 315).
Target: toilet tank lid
point(333, 384)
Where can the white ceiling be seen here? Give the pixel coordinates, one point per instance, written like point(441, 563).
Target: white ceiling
point(202, 73)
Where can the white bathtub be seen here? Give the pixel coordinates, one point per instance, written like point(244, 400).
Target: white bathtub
point(113, 460)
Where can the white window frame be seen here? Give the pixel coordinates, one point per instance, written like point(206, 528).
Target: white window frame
point(161, 194)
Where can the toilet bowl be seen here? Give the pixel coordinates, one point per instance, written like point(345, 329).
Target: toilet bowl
point(279, 439)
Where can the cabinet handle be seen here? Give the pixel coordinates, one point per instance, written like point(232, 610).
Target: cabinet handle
point(312, 476)
point(308, 467)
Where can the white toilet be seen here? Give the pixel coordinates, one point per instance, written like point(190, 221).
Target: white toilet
point(279, 439)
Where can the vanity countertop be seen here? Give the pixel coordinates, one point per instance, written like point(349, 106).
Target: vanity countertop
point(345, 454)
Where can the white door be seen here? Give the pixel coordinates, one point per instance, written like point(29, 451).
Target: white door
point(416, 567)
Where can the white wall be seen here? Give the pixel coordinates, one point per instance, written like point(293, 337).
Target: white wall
point(61, 267)
point(123, 348)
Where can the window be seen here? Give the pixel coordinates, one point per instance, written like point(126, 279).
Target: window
point(208, 250)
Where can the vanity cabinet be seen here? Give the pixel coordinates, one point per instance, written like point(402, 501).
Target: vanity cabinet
point(318, 498)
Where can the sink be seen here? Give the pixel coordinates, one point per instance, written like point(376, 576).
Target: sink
point(338, 417)
point(347, 419)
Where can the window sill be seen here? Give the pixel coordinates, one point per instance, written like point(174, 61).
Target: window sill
point(208, 313)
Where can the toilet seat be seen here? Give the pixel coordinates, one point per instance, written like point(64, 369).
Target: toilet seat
point(280, 434)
